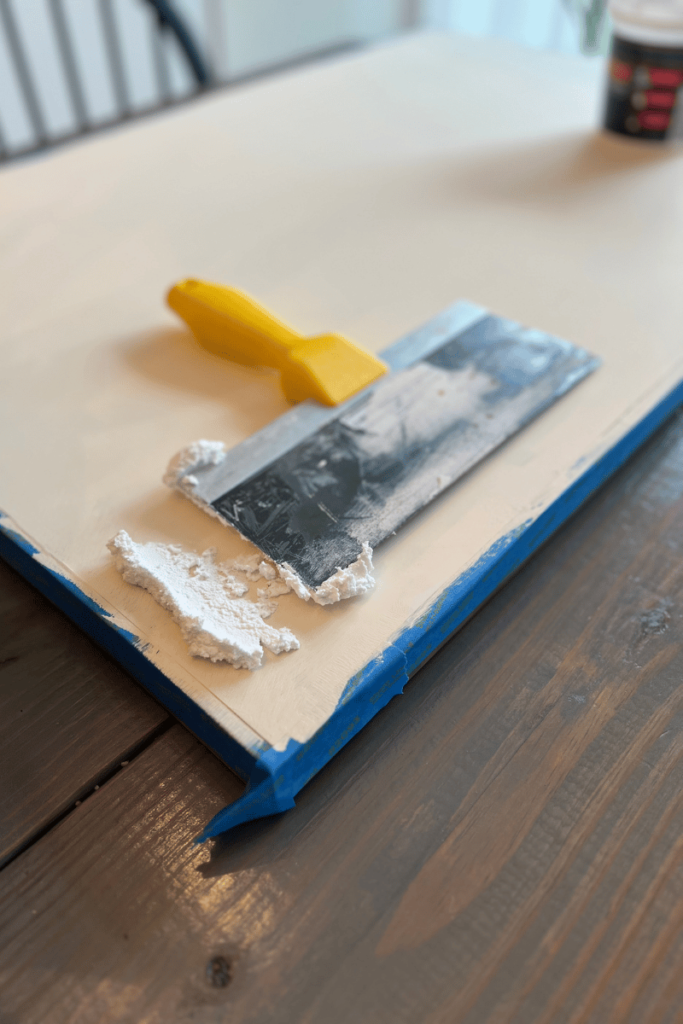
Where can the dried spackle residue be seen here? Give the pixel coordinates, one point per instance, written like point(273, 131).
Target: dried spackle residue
point(352, 581)
point(275, 588)
point(205, 599)
point(356, 579)
point(196, 455)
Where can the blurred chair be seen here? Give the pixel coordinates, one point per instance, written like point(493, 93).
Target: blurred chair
point(71, 67)
point(25, 71)
point(592, 18)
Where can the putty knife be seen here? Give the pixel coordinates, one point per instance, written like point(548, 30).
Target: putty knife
point(313, 486)
point(326, 367)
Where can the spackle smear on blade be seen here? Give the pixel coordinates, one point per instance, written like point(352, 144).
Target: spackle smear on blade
point(352, 581)
point(356, 579)
point(205, 599)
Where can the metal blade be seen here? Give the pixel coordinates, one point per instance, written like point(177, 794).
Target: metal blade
point(313, 486)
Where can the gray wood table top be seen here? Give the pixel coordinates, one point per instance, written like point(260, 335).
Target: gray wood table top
point(504, 843)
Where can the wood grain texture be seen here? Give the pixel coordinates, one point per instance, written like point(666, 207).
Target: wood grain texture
point(68, 714)
point(500, 846)
point(99, 929)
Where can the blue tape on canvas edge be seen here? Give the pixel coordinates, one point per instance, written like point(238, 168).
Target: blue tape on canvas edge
point(275, 777)
point(126, 649)
point(288, 771)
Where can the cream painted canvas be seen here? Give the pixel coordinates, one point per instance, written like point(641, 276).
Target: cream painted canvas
point(362, 196)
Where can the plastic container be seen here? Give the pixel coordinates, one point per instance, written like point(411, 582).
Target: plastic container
point(645, 85)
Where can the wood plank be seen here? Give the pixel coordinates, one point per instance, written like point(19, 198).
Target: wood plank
point(68, 714)
point(122, 889)
point(500, 845)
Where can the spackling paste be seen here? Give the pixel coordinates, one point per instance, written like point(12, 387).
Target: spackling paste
point(200, 453)
point(356, 579)
point(352, 581)
point(205, 599)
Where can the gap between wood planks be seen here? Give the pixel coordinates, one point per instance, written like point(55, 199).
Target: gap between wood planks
point(93, 786)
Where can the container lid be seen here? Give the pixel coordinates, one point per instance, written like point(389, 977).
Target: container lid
point(662, 15)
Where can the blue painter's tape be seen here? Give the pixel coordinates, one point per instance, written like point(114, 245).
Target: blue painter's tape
point(35, 571)
point(287, 772)
point(16, 538)
point(127, 649)
point(275, 777)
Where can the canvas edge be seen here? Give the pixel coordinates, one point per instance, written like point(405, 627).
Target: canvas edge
point(125, 647)
point(288, 771)
point(275, 777)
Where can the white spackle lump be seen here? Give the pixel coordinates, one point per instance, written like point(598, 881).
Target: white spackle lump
point(200, 453)
point(250, 565)
point(356, 579)
point(274, 588)
point(205, 599)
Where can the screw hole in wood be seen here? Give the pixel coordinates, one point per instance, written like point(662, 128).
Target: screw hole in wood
point(219, 972)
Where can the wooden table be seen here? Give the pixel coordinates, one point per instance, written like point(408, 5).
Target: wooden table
point(504, 843)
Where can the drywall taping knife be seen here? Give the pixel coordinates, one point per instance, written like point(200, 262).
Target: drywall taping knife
point(318, 483)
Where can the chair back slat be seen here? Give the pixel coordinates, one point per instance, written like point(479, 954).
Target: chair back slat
point(160, 67)
point(69, 65)
point(23, 73)
point(112, 45)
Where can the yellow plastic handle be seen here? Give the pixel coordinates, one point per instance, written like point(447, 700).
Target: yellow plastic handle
point(328, 368)
point(231, 324)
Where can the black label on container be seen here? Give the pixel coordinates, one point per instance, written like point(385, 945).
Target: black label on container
point(645, 91)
